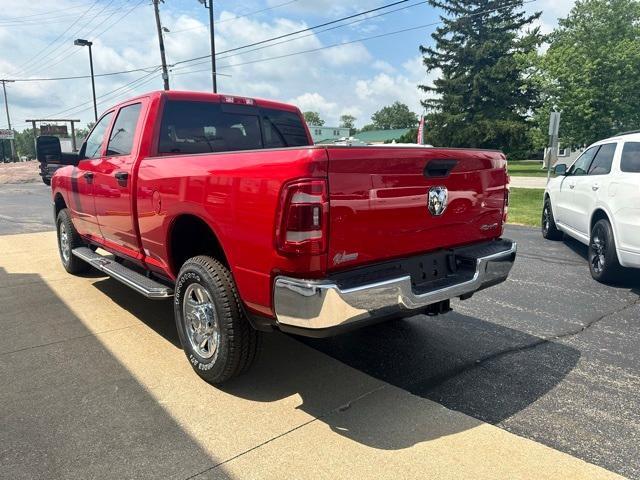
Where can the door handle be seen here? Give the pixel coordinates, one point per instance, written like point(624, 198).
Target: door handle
point(595, 187)
point(88, 176)
point(122, 178)
point(572, 186)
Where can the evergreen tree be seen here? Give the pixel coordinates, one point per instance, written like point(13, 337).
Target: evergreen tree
point(484, 96)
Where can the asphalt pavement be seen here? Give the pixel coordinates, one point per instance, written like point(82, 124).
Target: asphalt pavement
point(25, 208)
point(550, 356)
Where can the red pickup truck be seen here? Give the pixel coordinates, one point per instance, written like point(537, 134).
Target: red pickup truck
point(225, 204)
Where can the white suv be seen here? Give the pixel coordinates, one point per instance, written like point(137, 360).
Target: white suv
point(597, 201)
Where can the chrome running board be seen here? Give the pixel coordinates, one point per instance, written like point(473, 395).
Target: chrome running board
point(138, 282)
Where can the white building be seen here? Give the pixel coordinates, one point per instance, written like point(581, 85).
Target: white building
point(328, 134)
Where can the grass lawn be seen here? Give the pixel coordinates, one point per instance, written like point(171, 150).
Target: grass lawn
point(522, 169)
point(525, 206)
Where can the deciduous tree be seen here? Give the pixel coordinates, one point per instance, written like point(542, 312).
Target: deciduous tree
point(313, 118)
point(591, 71)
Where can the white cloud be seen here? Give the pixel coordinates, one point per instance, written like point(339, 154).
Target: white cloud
point(350, 79)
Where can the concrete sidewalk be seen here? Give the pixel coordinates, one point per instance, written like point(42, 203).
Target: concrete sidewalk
point(528, 182)
point(95, 385)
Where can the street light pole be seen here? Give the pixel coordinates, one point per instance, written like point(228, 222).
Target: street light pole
point(85, 43)
point(213, 44)
point(6, 106)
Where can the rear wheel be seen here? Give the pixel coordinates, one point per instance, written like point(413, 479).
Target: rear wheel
point(215, 334)
point(603, 259)
point(549, 229)
point(68, 239)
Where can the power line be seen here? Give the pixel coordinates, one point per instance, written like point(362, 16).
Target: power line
point(265, 41)
point(43, 21)
point(75, 34)
point(105, 97)
point(362, 39)
point(290, 34)
point(225, 51)
point(21, 68)
point(61, 57)
point(77, 7)
point(236, 17)
point(360, 20)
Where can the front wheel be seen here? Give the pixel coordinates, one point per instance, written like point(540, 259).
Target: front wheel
point(603, 258)
point(68, 239)
point(215, 334)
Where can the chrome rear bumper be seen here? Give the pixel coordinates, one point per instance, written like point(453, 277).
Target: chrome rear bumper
point(322, 304)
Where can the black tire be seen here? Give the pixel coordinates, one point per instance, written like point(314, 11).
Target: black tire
point(68, 239)
point(46, 181)
point(549, 229)
point(219, 316)
point(603, 258)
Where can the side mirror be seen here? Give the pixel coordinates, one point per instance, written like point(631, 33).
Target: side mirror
point(48, 149)
point(560, 169)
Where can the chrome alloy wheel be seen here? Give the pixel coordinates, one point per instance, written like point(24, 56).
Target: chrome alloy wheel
point(599, 248)
point(65, 245)
point(201, 321)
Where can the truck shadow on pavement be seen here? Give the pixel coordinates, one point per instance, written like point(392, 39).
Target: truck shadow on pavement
point(461, 362)
point(68, 407)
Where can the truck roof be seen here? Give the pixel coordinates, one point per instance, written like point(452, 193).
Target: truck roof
point(206, 96)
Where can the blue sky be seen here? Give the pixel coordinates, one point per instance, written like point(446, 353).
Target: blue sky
point(355, 78)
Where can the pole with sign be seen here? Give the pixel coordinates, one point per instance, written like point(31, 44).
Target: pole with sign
point(554, 129)
point(6, 106)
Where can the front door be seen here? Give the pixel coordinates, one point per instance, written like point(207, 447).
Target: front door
point(81, 202)
point(566, 208)
point(588, 188)
point(113, 183)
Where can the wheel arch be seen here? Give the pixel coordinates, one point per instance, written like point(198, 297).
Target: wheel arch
point(58, 204)
point(600, 213)
point(190, 235)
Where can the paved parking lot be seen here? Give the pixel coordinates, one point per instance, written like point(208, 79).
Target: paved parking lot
point(538, 378)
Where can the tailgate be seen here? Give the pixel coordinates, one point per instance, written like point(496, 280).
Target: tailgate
point(379, 201)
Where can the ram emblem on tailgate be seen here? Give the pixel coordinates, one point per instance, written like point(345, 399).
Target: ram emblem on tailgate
point(437, 203)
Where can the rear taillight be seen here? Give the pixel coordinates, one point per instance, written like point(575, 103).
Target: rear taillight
point(303, 222)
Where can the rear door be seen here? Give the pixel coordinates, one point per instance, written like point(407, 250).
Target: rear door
point(82, 201)
point(114, 180)
point(379, 201)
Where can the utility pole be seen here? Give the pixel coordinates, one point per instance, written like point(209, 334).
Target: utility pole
point(165, 74)
point(6, 106)
point(85, 43)
point(213, 44)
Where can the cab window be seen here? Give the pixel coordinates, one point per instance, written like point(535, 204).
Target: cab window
point(189, 127)
point(95, 140)
point(124, 129)
point(581, 166)
point(601, 164)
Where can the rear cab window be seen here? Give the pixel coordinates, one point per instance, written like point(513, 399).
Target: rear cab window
point(190, 127)
point(630, 161)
